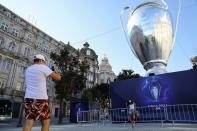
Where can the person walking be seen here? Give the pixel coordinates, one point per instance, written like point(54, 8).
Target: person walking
point(36, 98)
point(132, 112)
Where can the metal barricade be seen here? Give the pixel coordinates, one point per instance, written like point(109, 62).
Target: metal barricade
point(88, 116)
point(185, 113)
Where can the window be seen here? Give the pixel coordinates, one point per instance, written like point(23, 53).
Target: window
point(27, 52)
point(15, 32)
point(22, 69)
point(91, 69)
point(12, 47)
point(4, 26)
point(88, 52)
point(45, 49)
point(29, 38)
point(7, 64)
point(2, 84)
point(1, 42)
point(19, 86)
point(0, 60)
point(17, 20)
point(8, 14)
point(39, 45)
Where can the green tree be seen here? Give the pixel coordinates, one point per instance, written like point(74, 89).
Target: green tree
point(72, 73)
point(99, 93)
point(127, 74)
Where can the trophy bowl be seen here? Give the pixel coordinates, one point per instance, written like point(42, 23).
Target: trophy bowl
point(150, 33)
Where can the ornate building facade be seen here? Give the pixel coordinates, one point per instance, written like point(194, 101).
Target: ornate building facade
point(92, 59)
point(19, 42)
point(105, 73)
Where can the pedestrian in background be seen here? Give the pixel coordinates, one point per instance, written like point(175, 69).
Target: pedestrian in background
point(36, 98)
point(132, 112)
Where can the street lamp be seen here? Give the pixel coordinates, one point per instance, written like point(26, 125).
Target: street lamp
point(19, 124)
point(109, 100)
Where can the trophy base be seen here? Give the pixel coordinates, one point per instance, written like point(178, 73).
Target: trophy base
point(156, 70)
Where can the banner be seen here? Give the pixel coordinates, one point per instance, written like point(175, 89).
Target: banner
point(170, 88)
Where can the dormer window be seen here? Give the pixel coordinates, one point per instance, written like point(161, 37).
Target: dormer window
point(8, 14)
point(17, 20)
point(88, 52)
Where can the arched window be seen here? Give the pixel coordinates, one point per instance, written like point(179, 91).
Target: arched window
point(88, 52)
point(1, 41)
point(12, 47)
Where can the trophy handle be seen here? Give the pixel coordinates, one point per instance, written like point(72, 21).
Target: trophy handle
point(124, 30)
point(165, 5)
point(177, 21)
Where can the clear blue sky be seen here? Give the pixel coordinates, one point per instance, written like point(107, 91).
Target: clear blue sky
point(98, 22)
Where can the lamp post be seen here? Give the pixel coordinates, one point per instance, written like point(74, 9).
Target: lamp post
point(109, 100)
point(19, 124)
point(20, 119)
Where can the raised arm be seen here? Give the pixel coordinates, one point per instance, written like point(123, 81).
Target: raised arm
point(55, 76)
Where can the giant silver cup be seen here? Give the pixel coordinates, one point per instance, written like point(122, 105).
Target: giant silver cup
point(151, 36)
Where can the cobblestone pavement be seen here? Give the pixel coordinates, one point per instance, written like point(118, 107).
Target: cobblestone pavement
point(106, 127)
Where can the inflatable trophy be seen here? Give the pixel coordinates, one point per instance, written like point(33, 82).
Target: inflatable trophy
point(151, 34)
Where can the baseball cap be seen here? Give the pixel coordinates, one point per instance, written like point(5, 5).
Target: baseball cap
point(39, 56)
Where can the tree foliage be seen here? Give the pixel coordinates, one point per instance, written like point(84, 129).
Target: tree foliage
point(127, 74)
point(72, 70)
point(99, 93)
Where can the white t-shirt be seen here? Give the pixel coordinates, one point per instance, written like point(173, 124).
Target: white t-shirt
point(35, 81)
point(131, 106)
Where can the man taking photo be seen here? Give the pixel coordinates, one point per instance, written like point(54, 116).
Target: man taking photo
point(36, 98)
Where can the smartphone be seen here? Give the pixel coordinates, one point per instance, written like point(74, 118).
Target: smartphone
point(53, 68)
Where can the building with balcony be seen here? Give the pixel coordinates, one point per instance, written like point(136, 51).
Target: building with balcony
point(19, 42)
point(92, 59)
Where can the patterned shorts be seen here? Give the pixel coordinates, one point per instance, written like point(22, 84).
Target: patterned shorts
point(37, 109)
